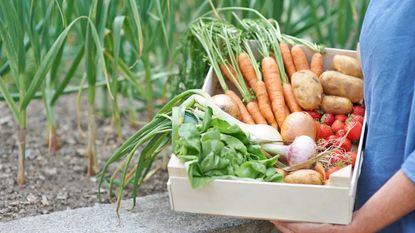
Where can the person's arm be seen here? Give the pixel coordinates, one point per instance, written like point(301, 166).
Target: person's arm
point(394, 200)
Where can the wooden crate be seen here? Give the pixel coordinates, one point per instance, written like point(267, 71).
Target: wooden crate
point(331, 203)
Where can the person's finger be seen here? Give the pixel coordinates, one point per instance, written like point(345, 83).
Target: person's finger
point(282, 226)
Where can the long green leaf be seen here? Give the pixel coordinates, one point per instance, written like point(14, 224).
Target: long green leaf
point(137, 22)
point(52, 53)
point(68, 75)
point(9, 100)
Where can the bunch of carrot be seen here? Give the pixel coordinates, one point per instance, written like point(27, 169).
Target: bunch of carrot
point(267, 96)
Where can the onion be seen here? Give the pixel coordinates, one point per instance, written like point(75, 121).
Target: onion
point(301, 150)
point(227, 104)
point(297, 124)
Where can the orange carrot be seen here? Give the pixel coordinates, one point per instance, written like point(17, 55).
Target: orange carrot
point(253, 109)
point(245, 115)
point(232, 75)
point(264, 105)
point(317, 64)
point(290, 98)
point(299, 58)
point(248, 71)
point(273, 84)
point(287, 59)
point(286, 110)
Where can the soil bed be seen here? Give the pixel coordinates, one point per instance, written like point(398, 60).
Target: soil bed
point(57, 182)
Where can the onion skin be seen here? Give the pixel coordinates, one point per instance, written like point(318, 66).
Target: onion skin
point(227, 104)
point(297, 124)
point(301, 150)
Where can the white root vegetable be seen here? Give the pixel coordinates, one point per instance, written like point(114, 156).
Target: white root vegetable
point(259, 134)
point(301, 150)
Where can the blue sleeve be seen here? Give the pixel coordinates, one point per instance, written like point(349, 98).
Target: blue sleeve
point(408, 167)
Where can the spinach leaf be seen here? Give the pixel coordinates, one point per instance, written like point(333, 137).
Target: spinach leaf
point(212, 148)
point(190, 136)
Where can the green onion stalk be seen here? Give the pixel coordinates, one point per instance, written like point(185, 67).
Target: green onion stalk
point(154, 136)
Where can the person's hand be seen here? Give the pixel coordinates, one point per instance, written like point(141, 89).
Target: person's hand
point(295, 227)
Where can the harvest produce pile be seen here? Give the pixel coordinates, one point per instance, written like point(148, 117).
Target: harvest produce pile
point(281, 118)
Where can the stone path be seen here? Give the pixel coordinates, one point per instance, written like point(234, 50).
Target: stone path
point(152, 214)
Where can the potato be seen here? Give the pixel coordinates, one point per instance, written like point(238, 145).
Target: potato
point(307, 89)
point(318, 167)
point(336, 104)
point(281, 171)
point(304, 176)
point(347, 65)
point(338, 84)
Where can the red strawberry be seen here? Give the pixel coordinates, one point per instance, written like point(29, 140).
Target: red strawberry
point(345, 144)
point(317, 124)
point(337, 125)
point(340, 133)
point(314, 114)
point(332, 170)
point(352, 157)
point(324, 131)
point(341, 117)
point(338, 158)
point(354, 117)
point(358, 110)
point(353, 130)
point(340, 142)
point(327, 118)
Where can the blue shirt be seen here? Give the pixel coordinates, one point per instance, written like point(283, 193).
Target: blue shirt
point(387, 46)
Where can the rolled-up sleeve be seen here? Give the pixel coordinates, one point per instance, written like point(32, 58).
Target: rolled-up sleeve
point(408, 167)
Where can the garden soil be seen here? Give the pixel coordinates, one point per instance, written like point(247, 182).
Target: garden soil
point(59, 182)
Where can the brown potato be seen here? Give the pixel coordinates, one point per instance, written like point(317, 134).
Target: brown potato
point(304, 176)
point(347, 65)
point(336, 104)
point(338, 84)
point(282, 172)
point(307, 89)
point(320, 169)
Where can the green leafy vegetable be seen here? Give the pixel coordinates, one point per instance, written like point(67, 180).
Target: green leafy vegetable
point(214, 148)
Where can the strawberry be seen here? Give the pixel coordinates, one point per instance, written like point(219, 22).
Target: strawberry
point(314, 114)
point(324, 131)
point(345, 144)
point(317, 124)
point(341, 142)
point(340, 133)
point(354, 129)
point(338, 158)
point(332, 170)
point(327, 118)
point(352, 157)
point(358, 110)
point(337, 125)
point(354, 117)
point(341, 117)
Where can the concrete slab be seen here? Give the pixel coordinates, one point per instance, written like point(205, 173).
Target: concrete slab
point(152, 214)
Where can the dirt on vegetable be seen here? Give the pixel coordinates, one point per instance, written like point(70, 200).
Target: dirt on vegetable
point(58, 182)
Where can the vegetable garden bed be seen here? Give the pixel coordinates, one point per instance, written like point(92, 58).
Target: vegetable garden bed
point(56, 182)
